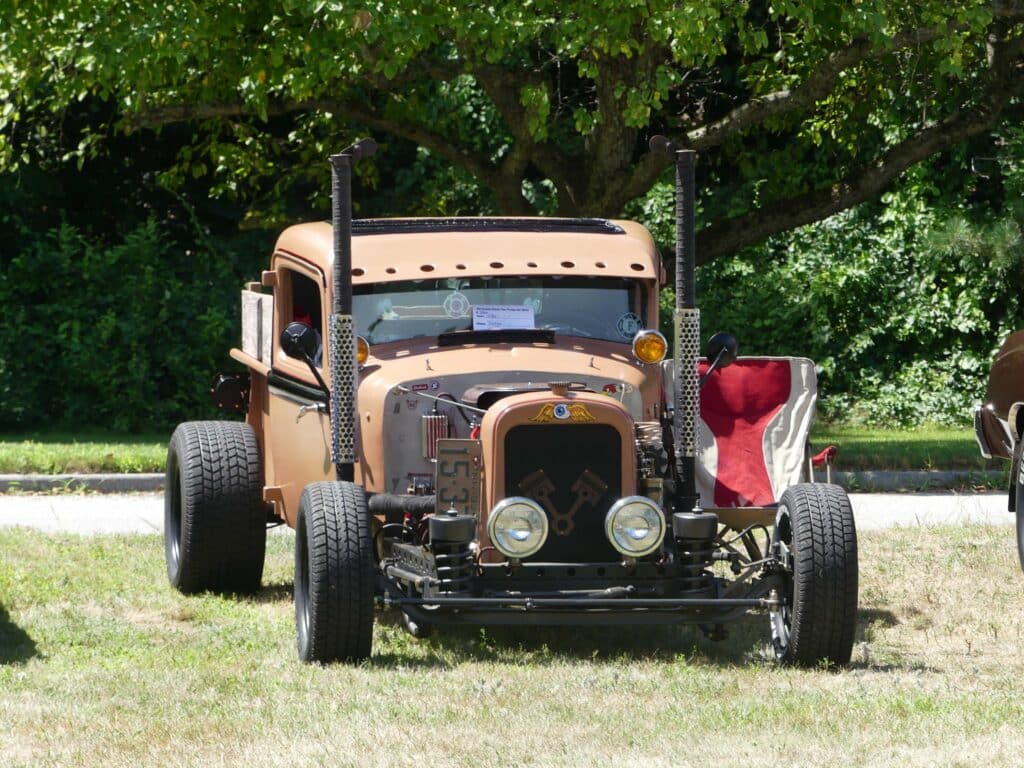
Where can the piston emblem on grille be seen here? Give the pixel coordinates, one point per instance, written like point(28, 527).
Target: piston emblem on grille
point(589, 488)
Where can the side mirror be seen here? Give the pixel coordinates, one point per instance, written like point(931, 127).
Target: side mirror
point(722, 349)
point(300, 340)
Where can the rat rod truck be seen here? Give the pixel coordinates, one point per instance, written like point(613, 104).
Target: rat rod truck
point(472, 420)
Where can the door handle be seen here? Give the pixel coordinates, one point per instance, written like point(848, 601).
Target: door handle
point(304, 409)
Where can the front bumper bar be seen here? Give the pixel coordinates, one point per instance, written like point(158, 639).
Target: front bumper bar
point(582, 609)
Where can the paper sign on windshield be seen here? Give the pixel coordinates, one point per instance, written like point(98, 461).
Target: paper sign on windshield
point(500, 317)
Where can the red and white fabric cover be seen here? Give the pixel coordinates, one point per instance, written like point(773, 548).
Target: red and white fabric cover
point(755, 416)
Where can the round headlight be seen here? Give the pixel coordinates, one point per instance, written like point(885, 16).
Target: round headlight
point(362, 350)
point(635, 526)
point(649, 347)
point(517, 527)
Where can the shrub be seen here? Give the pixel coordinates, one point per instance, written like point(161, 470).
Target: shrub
point(901, 306)
point(123, 335)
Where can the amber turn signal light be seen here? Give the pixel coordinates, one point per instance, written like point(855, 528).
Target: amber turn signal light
point(649, 347)
point(362, 350)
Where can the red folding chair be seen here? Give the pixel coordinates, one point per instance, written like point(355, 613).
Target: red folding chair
point(755, 417)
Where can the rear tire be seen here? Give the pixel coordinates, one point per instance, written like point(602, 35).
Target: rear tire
point(334, 574)
point(815, 540)
point(215, 520)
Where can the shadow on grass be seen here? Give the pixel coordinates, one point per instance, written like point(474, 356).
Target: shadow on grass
point(16, 647)
point(281, 592)
point(745, 641)
point(869, 620)
point(880, 617)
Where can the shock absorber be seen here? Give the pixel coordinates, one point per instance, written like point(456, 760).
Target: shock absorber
point(694, 533)
point(450, 537)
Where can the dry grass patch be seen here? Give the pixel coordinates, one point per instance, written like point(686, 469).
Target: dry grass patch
point(102, 664)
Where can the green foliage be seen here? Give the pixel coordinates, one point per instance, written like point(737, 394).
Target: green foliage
point(514, 93)
point(125, 334)
point(507, 106)
point(900, 305)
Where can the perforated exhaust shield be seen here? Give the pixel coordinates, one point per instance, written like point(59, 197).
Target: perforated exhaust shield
point(343, 389)
point(687, 328)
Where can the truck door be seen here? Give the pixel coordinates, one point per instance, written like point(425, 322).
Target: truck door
point(298, 446)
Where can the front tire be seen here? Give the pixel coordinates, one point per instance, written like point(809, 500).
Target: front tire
point(334, 574)
point(815, 541)
point(215, 520)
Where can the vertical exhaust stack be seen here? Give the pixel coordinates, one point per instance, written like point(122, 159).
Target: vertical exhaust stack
point(686, 320)
point(341, 327)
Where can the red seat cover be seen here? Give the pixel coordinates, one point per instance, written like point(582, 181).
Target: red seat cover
point(737, 403)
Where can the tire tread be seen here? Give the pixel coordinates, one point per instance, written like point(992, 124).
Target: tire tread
point(825, 575)
point(224, 519)
point(341, 572)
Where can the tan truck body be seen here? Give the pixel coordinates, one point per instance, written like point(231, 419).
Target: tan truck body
point(296, 447)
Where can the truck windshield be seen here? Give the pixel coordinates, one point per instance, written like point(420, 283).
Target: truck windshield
point(598, 308)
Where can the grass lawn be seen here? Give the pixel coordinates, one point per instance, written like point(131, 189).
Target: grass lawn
point(102, 664)
point(66, 452)
point(922, 448)
point(859, 448)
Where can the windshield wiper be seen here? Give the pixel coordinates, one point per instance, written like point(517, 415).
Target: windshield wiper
point(505, 336)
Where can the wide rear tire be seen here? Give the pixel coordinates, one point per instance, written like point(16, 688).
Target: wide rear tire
point(816, 542)
point(334, 574)
point(215, 520)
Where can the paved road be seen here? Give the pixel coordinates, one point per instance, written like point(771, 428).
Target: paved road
point(89, 513)
point(143, 512)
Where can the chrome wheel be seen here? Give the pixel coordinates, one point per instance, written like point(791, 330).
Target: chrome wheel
point(781, 618)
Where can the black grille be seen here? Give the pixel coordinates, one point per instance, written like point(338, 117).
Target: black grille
point(567, 454)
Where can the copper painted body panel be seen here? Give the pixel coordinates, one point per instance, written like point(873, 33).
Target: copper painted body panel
point(295, 438)
point(538, 408)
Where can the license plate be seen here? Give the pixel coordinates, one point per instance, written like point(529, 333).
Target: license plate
point(458, 475)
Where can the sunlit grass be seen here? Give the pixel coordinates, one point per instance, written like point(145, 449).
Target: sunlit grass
point(102, 664)
point(65, 452)
point(901, 449)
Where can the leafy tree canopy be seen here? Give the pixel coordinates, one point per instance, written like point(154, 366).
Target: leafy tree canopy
point(799, 109)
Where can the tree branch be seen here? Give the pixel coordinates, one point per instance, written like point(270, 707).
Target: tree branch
point(502, 87)
point(156, 117)
point(747, 229)
point(816, 86)
point(477, 164)
point(1010, 10)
